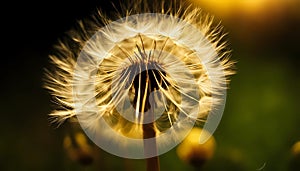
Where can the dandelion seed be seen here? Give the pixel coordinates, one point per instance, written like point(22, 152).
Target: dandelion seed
point(142, 79)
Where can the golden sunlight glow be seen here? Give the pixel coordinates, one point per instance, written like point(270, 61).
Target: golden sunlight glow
point(230, 4)
point(249, 7)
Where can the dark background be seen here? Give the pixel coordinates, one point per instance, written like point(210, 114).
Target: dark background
point(261, 119)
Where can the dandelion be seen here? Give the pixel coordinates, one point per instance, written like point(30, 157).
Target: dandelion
point(294, 160)
point(296, 149)
point(78, 148)
point(191, 152)
point(138, 84)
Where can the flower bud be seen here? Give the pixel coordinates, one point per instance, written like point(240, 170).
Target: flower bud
point(78, 149)
point(194, 153)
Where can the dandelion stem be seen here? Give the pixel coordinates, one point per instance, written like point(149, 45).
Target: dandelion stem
point(150, 147)
point(146, 86)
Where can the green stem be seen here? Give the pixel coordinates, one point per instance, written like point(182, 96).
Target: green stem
point(150, 147)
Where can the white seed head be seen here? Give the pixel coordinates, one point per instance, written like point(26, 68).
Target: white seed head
point(167, 60)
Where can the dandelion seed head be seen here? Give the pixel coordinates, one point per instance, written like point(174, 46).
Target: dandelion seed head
point(169, 61)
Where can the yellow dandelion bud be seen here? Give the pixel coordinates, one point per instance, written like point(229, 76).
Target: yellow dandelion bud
point(296, 149)
point(78, 149)
point(294, 163)
point(193, 152)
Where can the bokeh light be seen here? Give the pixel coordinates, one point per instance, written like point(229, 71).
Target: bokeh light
point(253, 8)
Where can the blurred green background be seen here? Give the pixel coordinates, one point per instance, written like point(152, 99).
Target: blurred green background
point(261, 119)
